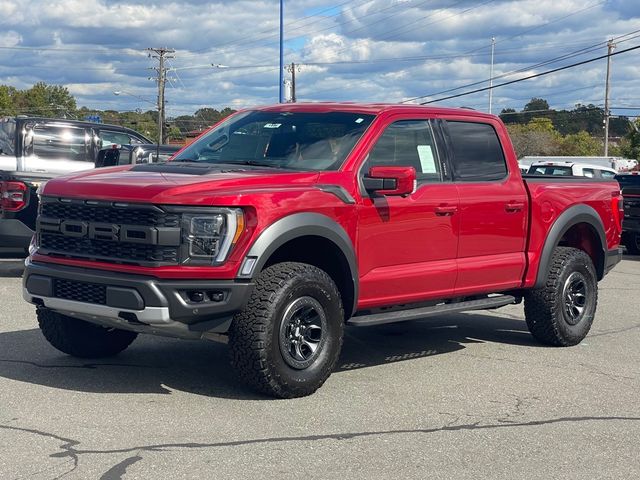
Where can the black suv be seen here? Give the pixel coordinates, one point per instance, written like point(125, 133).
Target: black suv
point(630, 185)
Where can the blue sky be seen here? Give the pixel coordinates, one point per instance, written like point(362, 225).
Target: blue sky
point(359, 50)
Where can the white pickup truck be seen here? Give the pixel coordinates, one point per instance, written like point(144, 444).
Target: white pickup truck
point(571, 169)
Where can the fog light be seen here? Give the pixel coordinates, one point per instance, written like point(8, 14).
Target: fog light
point(216, 296)
point(196, 296)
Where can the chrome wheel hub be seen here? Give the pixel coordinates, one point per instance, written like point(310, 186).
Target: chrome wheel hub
point(302, 332)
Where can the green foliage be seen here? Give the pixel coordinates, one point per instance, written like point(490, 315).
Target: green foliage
point(588, 118)
point(580, 144)
point(630, 147)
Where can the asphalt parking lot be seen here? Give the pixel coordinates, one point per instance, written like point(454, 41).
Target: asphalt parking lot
point(461, 396)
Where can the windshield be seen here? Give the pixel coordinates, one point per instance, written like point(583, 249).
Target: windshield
point(291, 140)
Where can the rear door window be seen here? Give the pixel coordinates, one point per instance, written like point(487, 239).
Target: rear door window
point(60, 143)
point(588, 172)
point(477, 153)
point(607, 174)
point(7, 136)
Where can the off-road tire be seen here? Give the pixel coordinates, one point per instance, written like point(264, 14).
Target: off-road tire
point(255, 335)
point(547, 309)
point(632, 243)
point(82, 339)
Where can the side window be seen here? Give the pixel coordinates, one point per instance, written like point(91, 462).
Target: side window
point(109, 138)
point(7, 136)
point(607, 174)
point(60, 142)
point(477, 153)
point(407, 143)
point(588, 172)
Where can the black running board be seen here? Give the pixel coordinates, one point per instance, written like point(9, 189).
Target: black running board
point(424, 312)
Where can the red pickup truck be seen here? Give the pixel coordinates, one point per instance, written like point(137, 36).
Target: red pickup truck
point(282, 224)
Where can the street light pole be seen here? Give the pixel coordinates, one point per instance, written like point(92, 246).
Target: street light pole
point(607, 90)
point(493, 47)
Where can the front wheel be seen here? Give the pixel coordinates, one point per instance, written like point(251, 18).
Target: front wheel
point(561, 312)
point(286, 341)
point(82, 339)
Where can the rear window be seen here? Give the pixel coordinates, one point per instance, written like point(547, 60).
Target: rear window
point(550, 170)
point(477, 153)
point(60, 143)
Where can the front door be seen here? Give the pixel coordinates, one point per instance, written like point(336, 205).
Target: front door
point(407, 245)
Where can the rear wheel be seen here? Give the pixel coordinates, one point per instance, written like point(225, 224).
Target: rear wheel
point(561, 312)
point(287, 340)
point(632, 242)
point(82, 339)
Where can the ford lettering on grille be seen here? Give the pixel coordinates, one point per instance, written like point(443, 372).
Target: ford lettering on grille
point(99, 231)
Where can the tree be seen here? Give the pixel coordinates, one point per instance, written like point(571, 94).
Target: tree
point(631, 148)
point(48, 101)
point(580, 144)
point(538, 137)
point(536, 105)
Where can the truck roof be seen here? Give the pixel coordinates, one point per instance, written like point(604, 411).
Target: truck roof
point(370, 108)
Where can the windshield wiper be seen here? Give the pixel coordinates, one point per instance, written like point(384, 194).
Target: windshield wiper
point(254, 163)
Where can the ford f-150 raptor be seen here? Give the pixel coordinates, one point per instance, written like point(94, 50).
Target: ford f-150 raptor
point(282, 224)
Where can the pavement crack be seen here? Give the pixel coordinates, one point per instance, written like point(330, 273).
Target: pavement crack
point(69, 446)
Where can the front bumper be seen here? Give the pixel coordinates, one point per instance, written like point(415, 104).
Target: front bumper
point(14, 233)
point(135, 302)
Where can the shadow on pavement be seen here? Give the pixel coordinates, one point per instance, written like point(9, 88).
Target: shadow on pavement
point(159, 365)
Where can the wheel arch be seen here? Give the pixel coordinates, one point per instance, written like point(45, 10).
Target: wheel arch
point(579, 227)
point(311, 238)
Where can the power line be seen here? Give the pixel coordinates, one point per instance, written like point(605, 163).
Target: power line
point(529, 76)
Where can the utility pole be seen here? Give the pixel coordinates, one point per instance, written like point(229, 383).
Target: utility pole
point(493, 48)
point(607, 89)
point(281, 91)
point(292, 69)
point(161, 54)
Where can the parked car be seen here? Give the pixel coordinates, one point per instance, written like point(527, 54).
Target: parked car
point(630, 184)
point(34, 150)
point(571, 169)
point(285, 223)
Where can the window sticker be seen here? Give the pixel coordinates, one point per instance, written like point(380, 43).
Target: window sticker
point(360, 120)
point(272, 125)
point(427, 160)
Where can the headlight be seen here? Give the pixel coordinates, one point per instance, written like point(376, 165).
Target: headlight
point(210, 235)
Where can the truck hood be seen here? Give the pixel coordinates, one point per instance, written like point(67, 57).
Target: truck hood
point(174, 183)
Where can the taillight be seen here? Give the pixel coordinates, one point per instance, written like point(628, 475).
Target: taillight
point(13, 196)
point(617, 208)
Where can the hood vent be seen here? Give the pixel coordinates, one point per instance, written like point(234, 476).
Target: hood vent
point(184, 168)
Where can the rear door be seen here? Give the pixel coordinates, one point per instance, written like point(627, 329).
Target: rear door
point(493, 208)
point(56, 148)
point(407, 244)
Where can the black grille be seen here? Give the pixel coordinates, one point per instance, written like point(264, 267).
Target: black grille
point(80, 291)
point(110, 214)
point(103, 249)
point(158, 246)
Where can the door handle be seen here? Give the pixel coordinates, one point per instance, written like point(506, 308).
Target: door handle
point(446, 210)
point(514, 206)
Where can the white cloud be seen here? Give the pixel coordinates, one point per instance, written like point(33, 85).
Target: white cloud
point(102, 48)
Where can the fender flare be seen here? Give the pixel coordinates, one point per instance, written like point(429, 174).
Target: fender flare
point(301, 225)
point(570, 217)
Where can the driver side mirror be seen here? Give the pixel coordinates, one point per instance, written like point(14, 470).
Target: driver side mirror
point(392, 181)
